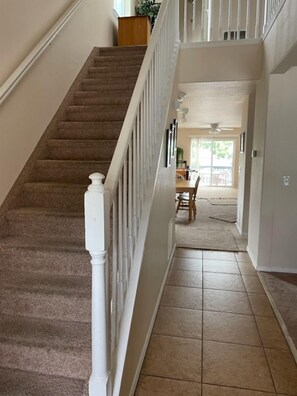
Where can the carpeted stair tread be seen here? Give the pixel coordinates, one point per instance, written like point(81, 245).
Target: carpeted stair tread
point(46, 295)
point(109, 70)
point(45, 346)
point(25, 383)
point(38, 211)
point(68, 171)
point(47, 284)
point(112, 77)
point(97, 85)
point(116, 51)
point(109, 60)
point(96, 113)
point(53, 243)
point(86, 149)
point(52, 194)
point(40, 221)
point(45, 255)
point(95, 98)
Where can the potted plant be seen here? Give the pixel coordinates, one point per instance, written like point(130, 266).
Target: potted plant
point(148, 8)
point(179, 157)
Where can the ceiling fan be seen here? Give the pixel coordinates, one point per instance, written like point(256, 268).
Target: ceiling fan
point(215, 130)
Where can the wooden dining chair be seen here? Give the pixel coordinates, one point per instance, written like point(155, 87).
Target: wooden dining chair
point(187, 201)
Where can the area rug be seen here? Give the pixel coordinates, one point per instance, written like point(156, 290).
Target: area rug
point(222, 201)
point(206, 231)
point(195, 237)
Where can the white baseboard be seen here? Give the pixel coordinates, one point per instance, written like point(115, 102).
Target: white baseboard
point(278, 269)
point(150, 329)
point(280, 319)
point(254, 262)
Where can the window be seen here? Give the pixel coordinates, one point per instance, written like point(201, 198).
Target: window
point(213, 159)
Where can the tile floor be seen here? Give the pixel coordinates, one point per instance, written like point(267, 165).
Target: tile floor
point(215, 333)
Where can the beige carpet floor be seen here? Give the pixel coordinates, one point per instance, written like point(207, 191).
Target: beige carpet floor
point(214, 228)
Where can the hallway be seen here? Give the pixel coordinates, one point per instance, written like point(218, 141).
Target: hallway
point(215, 333)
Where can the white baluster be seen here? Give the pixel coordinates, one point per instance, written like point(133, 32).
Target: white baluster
point(257, 23)
point(220, 20)
point(185, 38)
point(97, 240)
point(238, 18)
point(247, 20)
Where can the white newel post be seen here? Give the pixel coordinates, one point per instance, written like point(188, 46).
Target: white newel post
point(97, 239)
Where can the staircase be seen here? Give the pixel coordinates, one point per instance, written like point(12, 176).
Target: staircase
point(45, 271)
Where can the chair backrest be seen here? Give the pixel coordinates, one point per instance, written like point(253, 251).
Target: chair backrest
point(196, 187)
point(179, 176)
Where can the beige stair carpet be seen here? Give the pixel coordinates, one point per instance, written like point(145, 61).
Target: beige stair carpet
point(45, 282)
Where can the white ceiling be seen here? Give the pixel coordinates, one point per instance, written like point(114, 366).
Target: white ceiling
point(214, 102)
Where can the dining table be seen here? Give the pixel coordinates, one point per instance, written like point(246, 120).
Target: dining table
point(186, 186)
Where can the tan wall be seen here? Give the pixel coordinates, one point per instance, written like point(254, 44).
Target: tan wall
point(22, 24)
point(184, 141)
point(28, 110)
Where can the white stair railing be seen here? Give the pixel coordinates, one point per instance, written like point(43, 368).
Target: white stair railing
point(216, 20)
point(117, 213)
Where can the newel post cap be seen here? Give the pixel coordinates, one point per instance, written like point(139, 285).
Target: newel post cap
point(97, 182)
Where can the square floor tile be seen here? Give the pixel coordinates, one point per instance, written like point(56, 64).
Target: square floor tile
point(173, 357)
point(253, 284)
point(214, 390)
point(284, 371)
point(242, 257)
point(236, 366)
point(234, 328)
point(247, 268)
point(260, 305)
point(187, 264)
point(217, 255)
point(224, 267)
point(184, 278)
point(182, 297)
point(148, 386)
point(270, 333)
point(223, 281)
point(179, 322)
point(190, 253)
point(226, 301)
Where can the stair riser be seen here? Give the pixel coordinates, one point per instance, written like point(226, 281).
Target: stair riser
point(79, 175)
point(45, 261)
point(93, 134)
point(43, 361)
point(115, 70)
point(103, 152)
point(133, 60)
point(95, 86)
point(118, 51)
point(112, 77)
point(89, 100)
point(116, 115)
point(37, 305)
point(47, 226)
point(44, 199)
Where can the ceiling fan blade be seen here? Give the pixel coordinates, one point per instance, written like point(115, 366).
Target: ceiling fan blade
point(227, 129)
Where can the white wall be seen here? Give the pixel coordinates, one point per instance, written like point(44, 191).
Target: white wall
point(159, 245)
point(28, 110)
point(220, 61)
point(278, 231)
point(244, 176)
point(279, 48)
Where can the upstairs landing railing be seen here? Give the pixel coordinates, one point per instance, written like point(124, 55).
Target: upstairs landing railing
point(217, 20)
point(117, 212)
